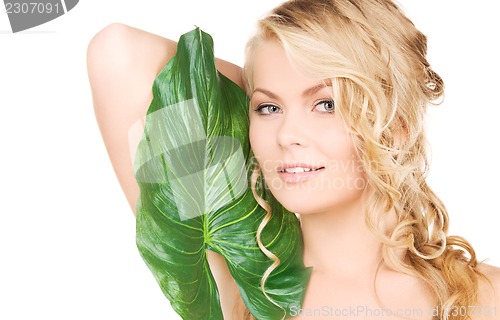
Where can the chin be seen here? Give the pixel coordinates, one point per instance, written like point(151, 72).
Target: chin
point(305, 203)
point(302, 203)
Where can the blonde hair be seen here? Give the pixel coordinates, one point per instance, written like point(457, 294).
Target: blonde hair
point(382, 82)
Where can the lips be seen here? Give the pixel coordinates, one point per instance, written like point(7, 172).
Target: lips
point(296, 173)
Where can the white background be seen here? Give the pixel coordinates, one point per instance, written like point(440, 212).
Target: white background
point(67, 247)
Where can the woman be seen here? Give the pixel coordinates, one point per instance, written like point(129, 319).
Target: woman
point(338, 92)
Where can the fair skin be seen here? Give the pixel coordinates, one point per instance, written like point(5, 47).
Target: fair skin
point(122, 65)
point(288, 128)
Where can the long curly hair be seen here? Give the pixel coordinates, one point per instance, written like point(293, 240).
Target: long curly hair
point(375, 59)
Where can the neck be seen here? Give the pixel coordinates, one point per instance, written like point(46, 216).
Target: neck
point(340, 243)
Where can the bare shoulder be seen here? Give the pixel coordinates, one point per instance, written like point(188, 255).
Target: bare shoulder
point(489, 292)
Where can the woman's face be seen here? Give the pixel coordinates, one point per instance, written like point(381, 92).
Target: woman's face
point(306, 154)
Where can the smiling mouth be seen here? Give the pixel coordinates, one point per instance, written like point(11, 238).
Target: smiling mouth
point(299, 169)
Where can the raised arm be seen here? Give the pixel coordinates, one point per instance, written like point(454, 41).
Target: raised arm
point(122, 64)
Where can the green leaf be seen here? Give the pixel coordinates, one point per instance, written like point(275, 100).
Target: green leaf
point(192, 170)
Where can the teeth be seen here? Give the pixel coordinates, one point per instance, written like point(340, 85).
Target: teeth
point(297, 170)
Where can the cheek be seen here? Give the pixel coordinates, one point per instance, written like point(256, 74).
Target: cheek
point(343, 157)
point(263, 144)
point(335, 142)
point(259, 140)
point(252, 136)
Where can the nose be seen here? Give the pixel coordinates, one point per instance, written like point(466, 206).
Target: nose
point(292, 131)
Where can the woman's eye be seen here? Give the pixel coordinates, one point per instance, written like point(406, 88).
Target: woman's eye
point(267, 109)
point(325, 106)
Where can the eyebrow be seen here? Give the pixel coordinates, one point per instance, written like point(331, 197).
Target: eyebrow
point(308, 92)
